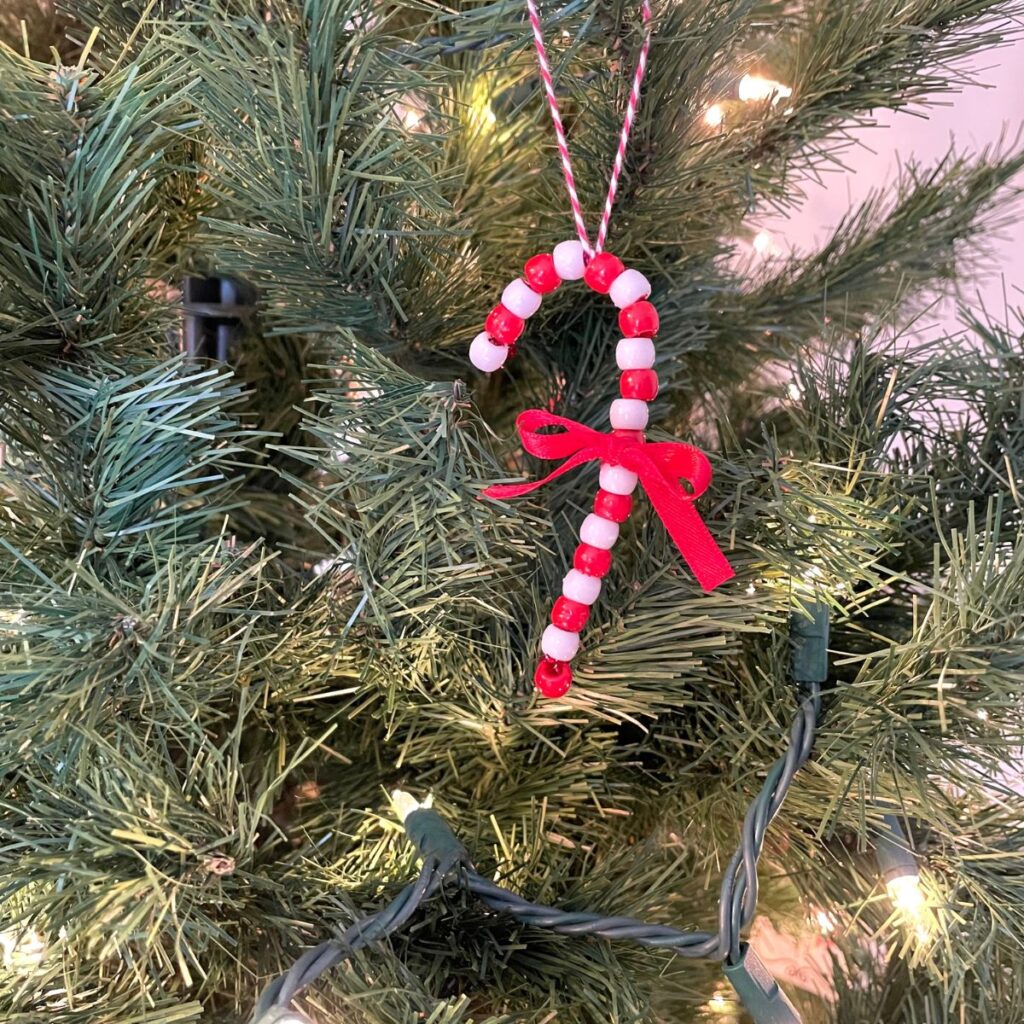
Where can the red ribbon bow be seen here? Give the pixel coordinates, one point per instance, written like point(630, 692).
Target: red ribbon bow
point(659, 467)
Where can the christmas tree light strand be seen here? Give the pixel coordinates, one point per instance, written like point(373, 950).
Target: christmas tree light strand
point(446, 859)
point(369, 930)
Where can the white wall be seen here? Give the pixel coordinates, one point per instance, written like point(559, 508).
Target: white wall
point(974, 118)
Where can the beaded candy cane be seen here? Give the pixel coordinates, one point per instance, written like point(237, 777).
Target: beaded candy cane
point(626, 458)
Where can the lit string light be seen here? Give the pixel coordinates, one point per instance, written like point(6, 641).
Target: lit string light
point(714, 115)
point(901, 874)
point(723, 1008)
point(409, 114)
point(754, 89)
point(718, 1003)
point(751, 89)
point(906, 894)
point(405, 803)
point(763, 244)
point(485, 113)
point(480, 113)
point(825, 921)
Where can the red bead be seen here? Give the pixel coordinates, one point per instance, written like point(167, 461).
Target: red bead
point(592, 561)
point(602, 270)
point(540, 274)
point(503, 325)
point(633, 435)
point(552, 678)
point(615, 507)
point(642, 384)
point(639, 320)
point(570, 615)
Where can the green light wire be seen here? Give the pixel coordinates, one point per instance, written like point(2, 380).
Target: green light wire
point(444, 858)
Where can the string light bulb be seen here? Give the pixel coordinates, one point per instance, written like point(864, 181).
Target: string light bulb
point(754, 88)
point(899, 869)
point(763, 243)
point(409, 116)
point(481, 114)
point(906, 894)
point(720, 1005)
point(405, 803)
point(714, 115)
point(825, 921)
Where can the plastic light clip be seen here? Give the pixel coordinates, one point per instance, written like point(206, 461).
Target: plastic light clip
point(216, 310)
point(810, 643)
point(758, 991)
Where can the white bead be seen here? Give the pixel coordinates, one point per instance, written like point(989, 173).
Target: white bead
point(617, 479)
point(520, 298)
point(485, 355)
point(578, 586)
point(629, 287)
point(560, 644)
point(568, 258)
point(628, 414)
point(599, 532)
point(635, 354)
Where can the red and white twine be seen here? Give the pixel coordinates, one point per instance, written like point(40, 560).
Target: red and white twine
point(563, 145)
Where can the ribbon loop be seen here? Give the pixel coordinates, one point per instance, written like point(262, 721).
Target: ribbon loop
point(659, 467)
point(571, 439)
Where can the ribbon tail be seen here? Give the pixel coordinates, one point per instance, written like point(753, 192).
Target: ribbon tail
point(517, 490)
point(699, 549)
point(501, 491)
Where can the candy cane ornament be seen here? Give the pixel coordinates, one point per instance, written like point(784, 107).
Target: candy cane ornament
point(625, 457)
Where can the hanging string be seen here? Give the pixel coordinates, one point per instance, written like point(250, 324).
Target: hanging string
point(563, 145)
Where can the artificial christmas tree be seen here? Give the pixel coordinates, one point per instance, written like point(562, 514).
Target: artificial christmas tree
point(244, 601)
